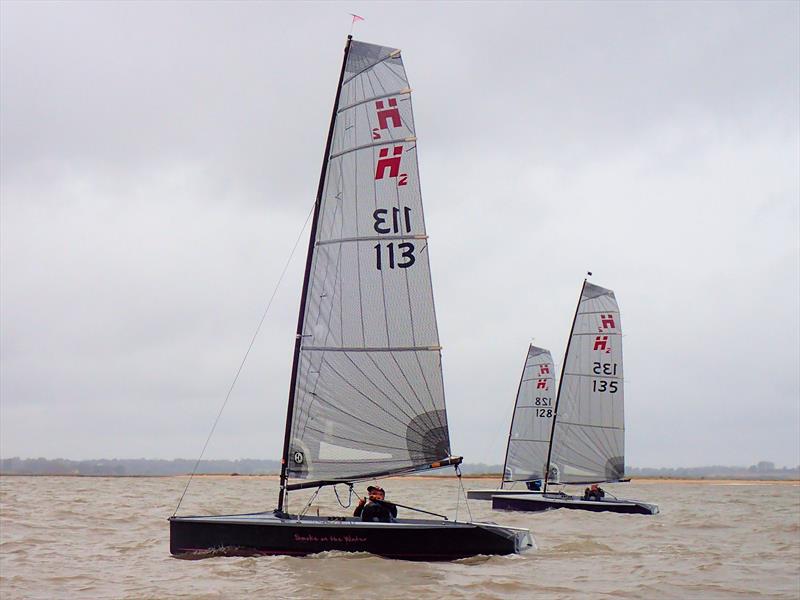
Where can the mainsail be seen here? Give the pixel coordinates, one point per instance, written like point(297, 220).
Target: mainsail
point(529, 438)
point(588, 440)
point(367, 395)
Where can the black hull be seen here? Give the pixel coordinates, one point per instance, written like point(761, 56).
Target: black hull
point(543, 502)
point(406, 539)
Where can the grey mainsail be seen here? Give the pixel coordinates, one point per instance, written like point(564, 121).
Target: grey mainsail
point(368, 397)
point(588, 440)
point(529, 437)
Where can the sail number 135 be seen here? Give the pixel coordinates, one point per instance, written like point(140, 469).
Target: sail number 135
point(602, 385)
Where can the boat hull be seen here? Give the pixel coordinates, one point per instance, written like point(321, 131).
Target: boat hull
point(542, 502)
point(489, 494)
point(408, 539)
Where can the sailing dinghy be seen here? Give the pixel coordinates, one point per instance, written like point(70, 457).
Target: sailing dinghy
point(366, 397)
point(587, 439)
point(529, 436)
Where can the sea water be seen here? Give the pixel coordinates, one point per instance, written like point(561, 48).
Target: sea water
point(87, 537)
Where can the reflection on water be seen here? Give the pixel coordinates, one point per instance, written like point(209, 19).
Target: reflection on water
point(108, 537)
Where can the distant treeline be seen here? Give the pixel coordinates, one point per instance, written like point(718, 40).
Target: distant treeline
point(155, 467)
point(255, 466)
point(762, 470)
point(135, 466)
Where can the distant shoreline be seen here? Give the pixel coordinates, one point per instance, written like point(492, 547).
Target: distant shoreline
point(178, 467)
point(645, 480)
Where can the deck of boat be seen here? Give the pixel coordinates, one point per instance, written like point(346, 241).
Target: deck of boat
point(270, 518)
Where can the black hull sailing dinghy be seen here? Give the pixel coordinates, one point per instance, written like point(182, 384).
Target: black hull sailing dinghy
point(366, 398)
point(586, 445)
point(407, 539)
point(529, 436)
point(551, 501)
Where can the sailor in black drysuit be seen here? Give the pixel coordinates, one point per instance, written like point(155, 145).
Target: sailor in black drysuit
point(594, 493)
point(377, 509)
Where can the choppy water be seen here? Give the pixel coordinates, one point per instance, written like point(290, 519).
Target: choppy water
point(109, 538)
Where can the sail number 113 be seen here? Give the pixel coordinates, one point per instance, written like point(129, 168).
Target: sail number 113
point(401, 220)
point(403, 257)
point(391, 255)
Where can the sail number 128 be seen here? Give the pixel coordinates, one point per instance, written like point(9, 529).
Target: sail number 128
point(543, 401)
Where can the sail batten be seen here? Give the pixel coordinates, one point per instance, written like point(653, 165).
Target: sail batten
point(588, 439)
point(590, 425)
point(609, 377)
point(374, 349)
point(368, 390)
point(403, 92)
point(364, 70)
point(409, 138)
point(371, 238)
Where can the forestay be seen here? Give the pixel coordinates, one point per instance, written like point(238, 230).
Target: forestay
point(369, 398)
point(531, 423)
point(589, 432)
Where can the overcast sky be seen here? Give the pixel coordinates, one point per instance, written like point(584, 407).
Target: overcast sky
point(159, 161)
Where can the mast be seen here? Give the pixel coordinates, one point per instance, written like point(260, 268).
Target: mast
point(511, 426)
point(299, 335)
point(558, 396)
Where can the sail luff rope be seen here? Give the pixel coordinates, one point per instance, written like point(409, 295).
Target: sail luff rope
point(244, 359)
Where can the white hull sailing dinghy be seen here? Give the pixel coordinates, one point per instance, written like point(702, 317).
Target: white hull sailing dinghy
point(529, 436)
point(366, 397)
point(587, 438)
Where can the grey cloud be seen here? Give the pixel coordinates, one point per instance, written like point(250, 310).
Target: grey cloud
point(159, 159)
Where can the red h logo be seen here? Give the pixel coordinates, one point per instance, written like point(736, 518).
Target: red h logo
point(544, 369)
point(607, 322)
point(600, 342)
point(541, 384)
point(392, 163)
point(385, 114)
